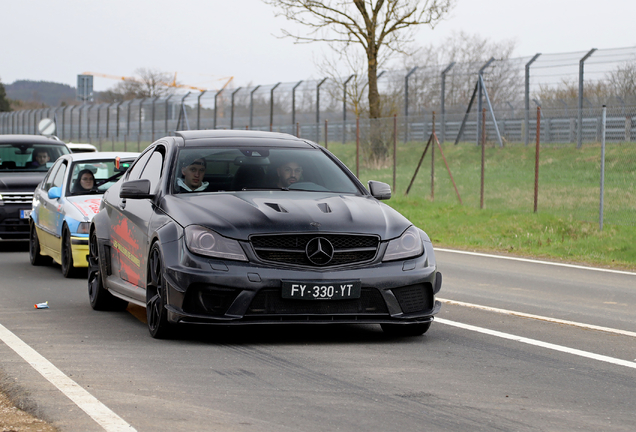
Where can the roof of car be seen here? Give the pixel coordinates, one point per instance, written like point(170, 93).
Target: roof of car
point(219, 137)
point(79, 157)
point(30, 139)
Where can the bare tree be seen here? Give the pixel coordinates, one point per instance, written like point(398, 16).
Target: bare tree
point(375, 25)
point(147, 83)
point(503, 78)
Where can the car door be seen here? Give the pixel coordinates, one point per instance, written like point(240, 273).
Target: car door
point(125, 248)
point(50, 215)
point(139, 213)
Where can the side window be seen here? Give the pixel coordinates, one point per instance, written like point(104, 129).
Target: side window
point(135, 171)
point(59, 176)
point(153, 169)
point(50, 176)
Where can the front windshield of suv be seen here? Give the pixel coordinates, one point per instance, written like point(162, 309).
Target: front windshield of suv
point(24, 157)
point(93, 176)
point(242, 169)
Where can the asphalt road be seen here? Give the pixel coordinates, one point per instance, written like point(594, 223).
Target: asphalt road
point(475, 370)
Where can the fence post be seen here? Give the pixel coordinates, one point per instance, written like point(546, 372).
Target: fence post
point(71, 114)
point(406, 103)
point(199, 109)
point(216, 107)
point(394, 151)
point(141, 103)
point(579, 135)
point(443, 102)
point(358, 147)
point(252, 105)
point(433, 162)
point(344, 108)
point(326, 133)
point(294, 102)
point(483, 156)
point(165, 117)
point(603, 129)
point(536, 160)
point(153, 118)
point(526, 131)
point(232, 107)
point(318, 109)
point(271, 107)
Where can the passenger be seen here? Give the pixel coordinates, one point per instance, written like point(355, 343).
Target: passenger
point(39, 159)
point(85, 182)
point(288, 174)
point(193, 171)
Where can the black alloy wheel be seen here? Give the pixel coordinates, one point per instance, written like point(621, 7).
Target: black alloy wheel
point(68, 269)
point(416, 329)
point(156, 313)
point(99, 297)
point(36, 258)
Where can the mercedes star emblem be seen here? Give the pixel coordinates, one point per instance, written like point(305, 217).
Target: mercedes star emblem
point(319, 251)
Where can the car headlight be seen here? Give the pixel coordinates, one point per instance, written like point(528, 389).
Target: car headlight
point(83, 228)
point(407, 245)
point(204, 241)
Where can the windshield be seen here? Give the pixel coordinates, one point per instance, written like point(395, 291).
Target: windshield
point(93, 177)
point(239, 169)
point(29, 157)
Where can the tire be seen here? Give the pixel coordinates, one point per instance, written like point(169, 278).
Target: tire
point(156, 312)
point(417, 329)
point(68, 269)
point(35, 257)
point(98, 296)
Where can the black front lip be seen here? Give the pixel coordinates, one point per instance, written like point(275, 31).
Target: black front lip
point(252, 277)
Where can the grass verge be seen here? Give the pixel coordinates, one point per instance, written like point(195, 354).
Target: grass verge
point(539, 235)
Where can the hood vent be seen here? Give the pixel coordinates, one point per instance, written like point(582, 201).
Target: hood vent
point(324, 207)
point(277, 207)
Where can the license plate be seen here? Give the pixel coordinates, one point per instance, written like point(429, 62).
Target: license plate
point(321, 290)
point(24, 214)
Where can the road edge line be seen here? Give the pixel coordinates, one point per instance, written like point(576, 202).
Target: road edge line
point(539, 317)
point(538, 343)
point(536, 261)
point(88, 403)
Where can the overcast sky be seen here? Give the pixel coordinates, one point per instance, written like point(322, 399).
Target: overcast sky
point(205, 41)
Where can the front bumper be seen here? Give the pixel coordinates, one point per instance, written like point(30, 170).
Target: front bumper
point(210, 291)
point(79, 248)
point(12, 227)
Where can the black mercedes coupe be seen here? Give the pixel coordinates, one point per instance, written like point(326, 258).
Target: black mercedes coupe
point(227, 227)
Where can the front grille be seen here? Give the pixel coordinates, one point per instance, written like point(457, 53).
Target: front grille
point(14, 226)
point(270, 302)
point(291, 248)
point(17, 197)
point(414, 298)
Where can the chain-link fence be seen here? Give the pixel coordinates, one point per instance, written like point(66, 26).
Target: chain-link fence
point(570, 88)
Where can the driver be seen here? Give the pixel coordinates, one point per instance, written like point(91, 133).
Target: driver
point(193, 171)
point(40, 158)
point(289, 173)
point(84, 183)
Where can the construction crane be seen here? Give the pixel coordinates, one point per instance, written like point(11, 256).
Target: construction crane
point(172, 83)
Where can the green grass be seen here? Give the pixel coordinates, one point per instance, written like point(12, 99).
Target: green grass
point(566, 225)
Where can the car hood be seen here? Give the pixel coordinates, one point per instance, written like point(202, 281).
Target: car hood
point(20, 182)
point(242, 214)
point(87, 205)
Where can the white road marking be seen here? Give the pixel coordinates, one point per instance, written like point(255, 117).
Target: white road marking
point(539, 317)
point(538, 343)
point(537, 261)
point(83, 399)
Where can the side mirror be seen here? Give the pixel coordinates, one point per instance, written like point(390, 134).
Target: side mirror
point(136, 189)
point(379, 190)
point(55, 192)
